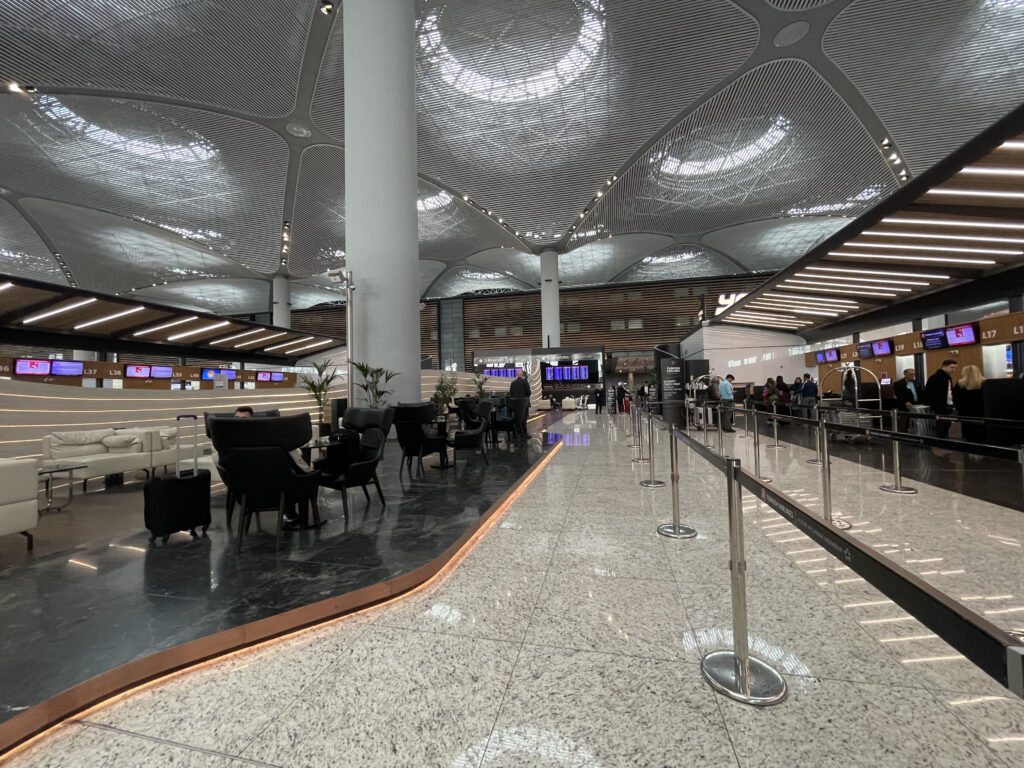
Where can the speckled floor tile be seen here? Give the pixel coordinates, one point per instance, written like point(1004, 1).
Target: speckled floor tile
point(852, 725)
point(401, 698)
point(83, 746)
point(513, 548)
point(614, 615)
point(576, 708)
point(629, 556)
point(997, 719)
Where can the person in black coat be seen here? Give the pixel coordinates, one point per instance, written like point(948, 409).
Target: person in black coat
point(907, 390)
point(599, 400)
point(969, 402)
point(937, 394)
point(520, 388)
point(620, 399)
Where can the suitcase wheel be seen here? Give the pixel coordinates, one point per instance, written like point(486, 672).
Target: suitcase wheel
point(194, 534)
point(152, 539)
point(165, 538)
point(204, 530)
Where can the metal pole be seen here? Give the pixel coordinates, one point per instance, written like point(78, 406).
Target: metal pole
point(817, 443)
point(639, 427)
point(775, 427)
point(686, 415)
point(1020, 460)
point(721, 441)
point(757, 450)
point(350, 385)
point(707, 422)
point(675, 529)
point(747, 408)
point(735, 673)
point(896, 486)
point(826, 475)
point(651, 482)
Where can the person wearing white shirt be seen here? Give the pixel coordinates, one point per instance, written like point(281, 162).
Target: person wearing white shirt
point(727, 396)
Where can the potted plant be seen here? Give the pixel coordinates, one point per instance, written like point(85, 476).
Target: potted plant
point(318, 386)
point(479, 382)
point(444, 394)
point(373, 383)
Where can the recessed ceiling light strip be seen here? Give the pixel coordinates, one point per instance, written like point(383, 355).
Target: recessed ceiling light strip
point(907, 257)
point(308, 346)
point(5, 286)
point(58, 311)
point(238, 336)
point(197, 331)
point(882, 283)
point(932, 236)
point(288, 343)
point(797, 310)
point(976, 193)
point(108, 318)
point(858, 271)
point(260, 341)
point(954, 223)
point(165, 326)
point(818, 299)
point(935, 248)
point(795, 304)
point(1012, 145)
point(837, 290)
point(868, 290)
point(981, 170)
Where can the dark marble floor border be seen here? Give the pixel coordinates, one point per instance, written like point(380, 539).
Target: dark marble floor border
point(34, 722)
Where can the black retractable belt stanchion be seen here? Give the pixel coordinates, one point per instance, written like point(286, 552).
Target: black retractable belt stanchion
point(896, 486)
point(757, 450)
point(735, 673)
point(675, 529)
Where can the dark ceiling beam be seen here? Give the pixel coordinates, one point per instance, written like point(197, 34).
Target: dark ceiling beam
point(976, 148)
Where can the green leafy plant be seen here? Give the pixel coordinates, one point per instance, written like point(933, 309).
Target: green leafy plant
point(445, 391)
point(373, 383)
point(479, 382)
point(319, 384)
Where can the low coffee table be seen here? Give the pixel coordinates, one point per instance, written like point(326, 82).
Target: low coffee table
point(47, 472)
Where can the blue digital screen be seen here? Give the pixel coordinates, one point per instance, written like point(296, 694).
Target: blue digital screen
point(209, 373)
point(502, 373)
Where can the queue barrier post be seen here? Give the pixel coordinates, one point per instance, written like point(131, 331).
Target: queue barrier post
point(817, 439)
point(650, 482)
point(736, 673)
point(639, 427)
point(707, 421)
point(896, 486)
point(721, 442)
point(675, 529)
point(775, 426)
point(757, 450)
point(1020, 460)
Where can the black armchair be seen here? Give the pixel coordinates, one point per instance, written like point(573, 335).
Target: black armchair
point(372, 424)
point(470, 440)
point(417, 440)
point(262, 478)
point(356, 475)
point(513, 421)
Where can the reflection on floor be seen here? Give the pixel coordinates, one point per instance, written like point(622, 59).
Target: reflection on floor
point(72, 614)
point(571, 636)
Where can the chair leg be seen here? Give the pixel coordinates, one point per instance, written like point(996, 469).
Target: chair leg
point(28, 536)
point(379, 491)
point(366, 493)
point(229, 509)
point(243, 520)
point(316, 511)
point(280, 522)
point(344, 502)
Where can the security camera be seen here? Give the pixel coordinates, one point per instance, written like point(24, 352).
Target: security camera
point(336, 275)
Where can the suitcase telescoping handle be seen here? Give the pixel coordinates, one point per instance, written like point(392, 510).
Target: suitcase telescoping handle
point(195, 444)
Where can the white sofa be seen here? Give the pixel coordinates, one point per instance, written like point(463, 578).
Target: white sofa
point(19, 497)
point(111, 451)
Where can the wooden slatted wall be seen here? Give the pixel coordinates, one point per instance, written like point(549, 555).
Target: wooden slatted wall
point(331, 322)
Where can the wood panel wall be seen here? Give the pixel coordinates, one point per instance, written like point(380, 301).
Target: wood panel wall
point(331, 322)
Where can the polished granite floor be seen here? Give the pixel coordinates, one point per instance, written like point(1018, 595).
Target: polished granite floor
point(571, 635)
point(72, 614)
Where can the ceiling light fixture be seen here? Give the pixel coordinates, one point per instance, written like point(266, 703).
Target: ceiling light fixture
point(1012, 145)
point(797, 310)
point(852, 271)
point(981, 170)
point(953, 223)
point(14, 87)
point(976, 193)
point(5, 286)
point(933, 236)
point(108, 318)
point(766, 316)
point(868, 289)
point(838, 290)
point(197, 331)
point(905, 257)
point(326, 6)
point(823, 299)
point(165, 326)
point(59, 310)
point(813, 276)
point(289, 343)
point(260, 341)
point(798, 301)
point(938, 248)
point(308, 346)
point(226, 339)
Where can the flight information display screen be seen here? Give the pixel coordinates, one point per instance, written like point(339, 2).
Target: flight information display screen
point(934, 339)
point(958, 335)
point(32, 367)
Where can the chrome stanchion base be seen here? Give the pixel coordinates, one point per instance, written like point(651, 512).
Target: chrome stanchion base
point(814, 461)
point(890, 488)
point(766, 685)
point(776, 446)
point(765, 479)
point(641, 461)
point(652, 483)
point(684, 532)
point(841, 524)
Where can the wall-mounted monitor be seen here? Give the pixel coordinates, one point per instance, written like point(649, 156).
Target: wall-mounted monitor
point(864, 350)
point(935, 339)
point(209, 373)
point(263, 376)
point(276, 376)
point(831, 355)
point(161, 371)
point(136, 371)
point(885, 382)
point(502, 373)
point(67, 368)
point(32, 367)
point(821, 358)
point(583, 371)
point(958, 335)
point(882, 347)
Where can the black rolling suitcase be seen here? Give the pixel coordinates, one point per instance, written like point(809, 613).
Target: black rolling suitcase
point(179, 502)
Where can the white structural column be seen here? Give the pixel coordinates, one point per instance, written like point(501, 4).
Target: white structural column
point(550, 319)
point(281, 302)
point(381, 240)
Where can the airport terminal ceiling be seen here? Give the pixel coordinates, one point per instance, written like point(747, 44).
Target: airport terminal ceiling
point(185, 152)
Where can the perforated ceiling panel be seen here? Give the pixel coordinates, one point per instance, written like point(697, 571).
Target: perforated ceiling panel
point(599, 262)
point(797, 5)
point(306, 296)
point(772, 245)
point(529, 106)
point(112, 254)
point(429, 270)
point(219, 178)
point(936, 72)
point(459, 281)
point(22, 253)
point(522, 266)
point(244, 57)
point(450, 230)
point(219, 296)
point(678, 262)
point(765, 146)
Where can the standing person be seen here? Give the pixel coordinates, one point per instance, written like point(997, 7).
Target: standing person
point(725, 392)
point(968, 401)
point(938, 393)
point(907, 392)
point(599, 400)
point(809, 395)
point(620, 398)
point(770, 393)
point(520, 388)
point(797, 390)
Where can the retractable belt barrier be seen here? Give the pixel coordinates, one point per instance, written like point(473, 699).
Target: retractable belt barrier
point(736, 674)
